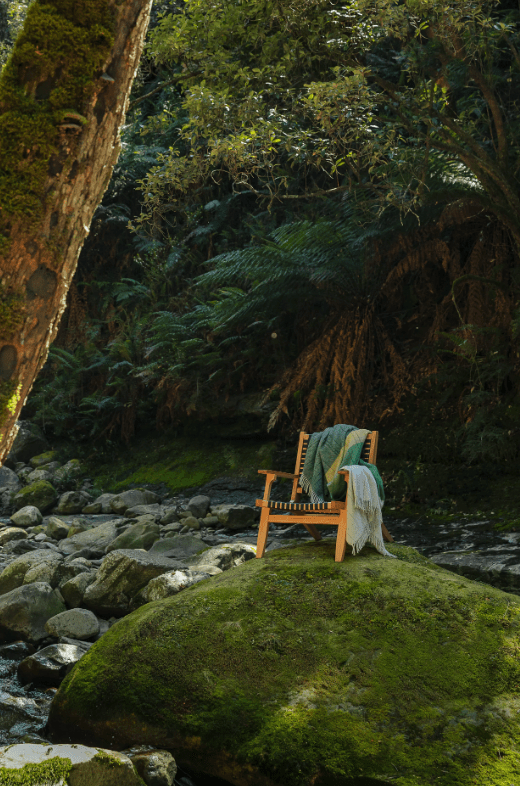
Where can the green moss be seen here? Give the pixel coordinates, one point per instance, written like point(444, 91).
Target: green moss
point(51, 773)
point(12, 312)
point(9, 397)
point(309, 671)
point(41, 494)
point(179, 462)
point(53, 69)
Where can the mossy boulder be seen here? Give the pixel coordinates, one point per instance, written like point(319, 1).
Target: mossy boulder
point(41, 494)
point(43, 459)
point(297, 670)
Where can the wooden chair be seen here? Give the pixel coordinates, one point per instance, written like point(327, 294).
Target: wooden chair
point(307, 513)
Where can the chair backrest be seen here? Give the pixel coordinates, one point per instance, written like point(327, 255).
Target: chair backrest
point(368, 454)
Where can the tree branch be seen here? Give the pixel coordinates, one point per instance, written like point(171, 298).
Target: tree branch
point(178, 78)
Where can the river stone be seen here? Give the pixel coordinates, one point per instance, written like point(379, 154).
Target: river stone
point(74, 589)
point(296, 669)
point(41, 494)
point(96, 538)
point(236, 517)
point(75, 623)
point(156, 768)
point(39, 474)
point(29, 516)
point(28, 442)
point(169, 516)
point(72, 469)
point(178, 546)
point(139, 536)
point(171, 583)
point(199, 506)
point(16, 710)
point(73, 502)
point(103, 502)
point(120, 577)
point(77, 765)
point(56, 528)
point(228, 555)
point(154, 510)
point(45, 570)
point(13, 575)
point(49, 665)
point(43, 459)
point(129, 499)
point(25, 610)
point(9, 480)
point(12, 533)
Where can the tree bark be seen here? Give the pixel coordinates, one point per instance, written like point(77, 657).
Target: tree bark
point(63, 97)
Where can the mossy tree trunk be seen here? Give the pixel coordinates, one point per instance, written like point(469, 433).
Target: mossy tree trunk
point(63, 96)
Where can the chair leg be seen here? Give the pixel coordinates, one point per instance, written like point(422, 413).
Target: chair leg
point(263, 531)
point(386, 534)
point(341, 539)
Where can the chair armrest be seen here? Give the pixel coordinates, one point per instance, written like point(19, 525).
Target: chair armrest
point(278, 474)
point(344, 472)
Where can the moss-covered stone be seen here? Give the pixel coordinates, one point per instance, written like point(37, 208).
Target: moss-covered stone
point(43, 458)
point(41, 494)
point(297, 670)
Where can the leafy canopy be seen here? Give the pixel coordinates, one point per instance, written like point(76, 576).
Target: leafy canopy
point(296, 99)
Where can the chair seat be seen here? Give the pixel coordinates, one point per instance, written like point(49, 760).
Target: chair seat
point(307, 506)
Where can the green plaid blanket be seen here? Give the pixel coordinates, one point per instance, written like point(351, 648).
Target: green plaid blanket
point(327, 452)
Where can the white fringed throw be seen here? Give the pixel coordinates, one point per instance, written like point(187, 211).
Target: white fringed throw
point(364, 516)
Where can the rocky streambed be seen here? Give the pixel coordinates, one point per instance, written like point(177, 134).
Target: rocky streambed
point(72, 564)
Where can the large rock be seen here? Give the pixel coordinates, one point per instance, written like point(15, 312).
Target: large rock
point(199, 506)
point(38, 474)
point(139, 536)
point(41, 494)
point(236, 517)
point(9, 484)
point(76, 765)
point(74, 589)
point(121, 575)
point(56, 528)
point(14, 574)
point(68, 472)
point(79, 624)
point(154, 510)
point(73, 502)
point(96, 538)
point(11, 533)
point(28, 442)
point(178, 547)
point(29, 516)
point(25, 610)
point(44, 459)
point(9, 481)
point(51, 664)
point(100, 505)
point(298, 670)
point(129, 499)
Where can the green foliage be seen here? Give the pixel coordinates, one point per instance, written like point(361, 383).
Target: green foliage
point(293, 101)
